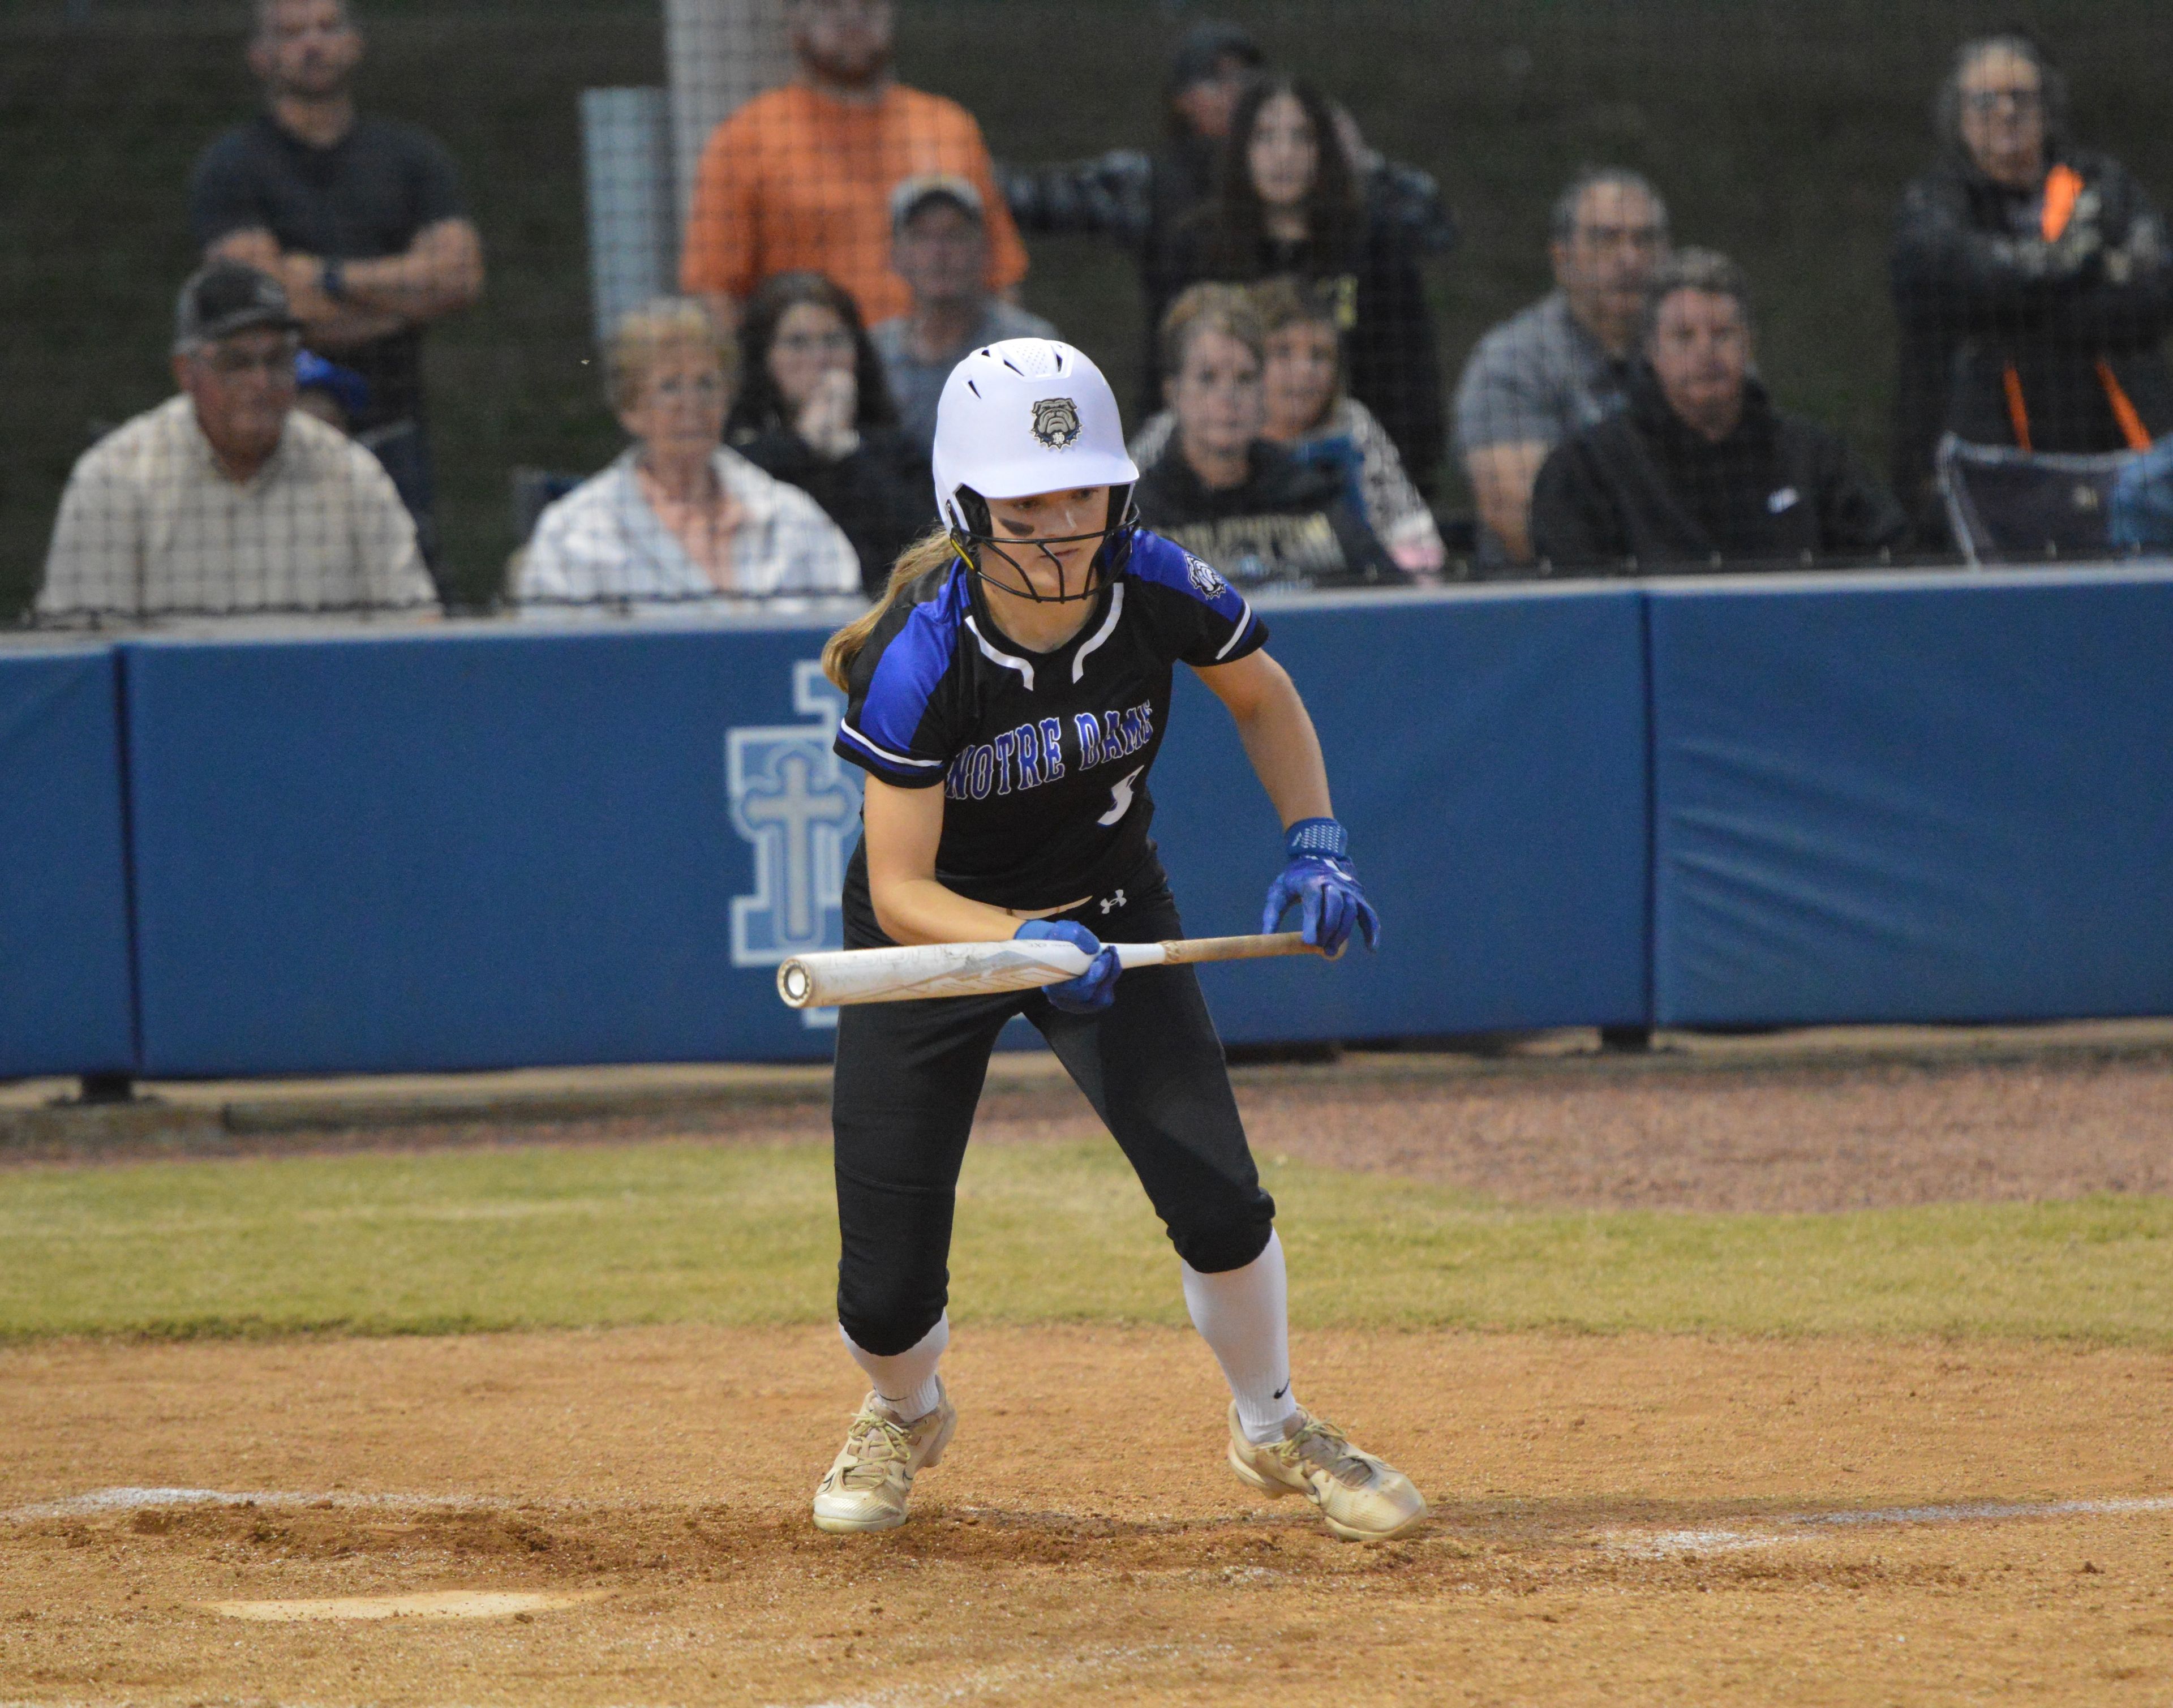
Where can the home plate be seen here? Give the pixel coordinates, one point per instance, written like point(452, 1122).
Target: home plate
point(430, 1604)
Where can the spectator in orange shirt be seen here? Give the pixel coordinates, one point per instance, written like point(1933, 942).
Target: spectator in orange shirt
point(800, 179)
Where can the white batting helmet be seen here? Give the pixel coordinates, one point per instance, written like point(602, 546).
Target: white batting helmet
point(1024, 417)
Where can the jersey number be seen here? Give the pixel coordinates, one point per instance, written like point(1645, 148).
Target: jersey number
point(1120, 797)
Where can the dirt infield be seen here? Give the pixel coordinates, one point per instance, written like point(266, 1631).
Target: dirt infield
point(1634, 1520)
point(619, 1517)
point(1858, 1138)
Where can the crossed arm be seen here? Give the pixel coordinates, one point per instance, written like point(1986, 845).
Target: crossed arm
point(441, 271)
point(1502, 480)
point(904, 826)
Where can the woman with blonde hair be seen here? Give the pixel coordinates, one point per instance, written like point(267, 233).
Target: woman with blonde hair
point(1221, 487)
point(1311, 415)
point(679, 518)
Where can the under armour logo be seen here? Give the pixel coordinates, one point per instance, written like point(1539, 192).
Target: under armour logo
point(1113, 902)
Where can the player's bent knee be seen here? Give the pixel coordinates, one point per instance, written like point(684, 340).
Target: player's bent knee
point(889, 1321)
point(1213, 1247)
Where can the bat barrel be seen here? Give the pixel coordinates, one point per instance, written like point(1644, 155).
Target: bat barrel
point(834, 978)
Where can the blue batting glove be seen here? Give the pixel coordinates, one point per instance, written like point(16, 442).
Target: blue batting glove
point(1092, 990)
point(1319, 879)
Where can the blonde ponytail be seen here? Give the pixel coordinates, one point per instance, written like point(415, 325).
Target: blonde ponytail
point(931, 552)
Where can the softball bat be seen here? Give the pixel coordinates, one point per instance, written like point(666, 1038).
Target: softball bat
point(912, 971)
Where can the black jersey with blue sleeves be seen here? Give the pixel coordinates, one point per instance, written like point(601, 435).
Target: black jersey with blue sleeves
point(1224, 629)
point(1042, 756)
point(886, 730)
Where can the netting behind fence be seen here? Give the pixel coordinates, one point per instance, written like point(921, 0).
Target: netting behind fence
point(540, 307)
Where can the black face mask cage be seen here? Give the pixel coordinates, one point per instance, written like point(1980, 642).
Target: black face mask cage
point(978, 542)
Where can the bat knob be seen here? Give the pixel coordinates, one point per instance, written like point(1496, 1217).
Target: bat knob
point(793, 984)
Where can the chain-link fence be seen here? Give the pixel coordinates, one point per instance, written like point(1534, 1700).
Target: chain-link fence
point(537, 306)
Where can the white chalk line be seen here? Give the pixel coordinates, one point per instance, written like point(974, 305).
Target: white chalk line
point(1666, 1545)
point(423, 1604)
point(1655, 1545)
point(132, 1499)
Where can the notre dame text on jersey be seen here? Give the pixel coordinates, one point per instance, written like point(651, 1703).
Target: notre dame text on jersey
point(1042, 756)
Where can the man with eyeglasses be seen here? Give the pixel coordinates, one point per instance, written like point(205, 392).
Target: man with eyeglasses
point(2032, 278)
point(1563, 364)
point(226, 498)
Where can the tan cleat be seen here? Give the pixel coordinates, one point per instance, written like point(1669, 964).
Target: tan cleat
point(871, 1478)
point(1362, 1499)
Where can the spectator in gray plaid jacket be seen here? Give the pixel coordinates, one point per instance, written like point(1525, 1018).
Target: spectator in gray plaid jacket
point(679, 519)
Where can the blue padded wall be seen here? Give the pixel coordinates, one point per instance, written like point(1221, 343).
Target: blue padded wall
point(1488, 752)
point(1871, 798)
point(482, 850)
point(65, 1002)
point(1914, 799)
point(467, 850)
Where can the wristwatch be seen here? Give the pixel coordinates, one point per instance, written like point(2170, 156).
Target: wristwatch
point(333, 279)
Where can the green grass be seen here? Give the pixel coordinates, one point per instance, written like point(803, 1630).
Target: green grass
point(545, 1238)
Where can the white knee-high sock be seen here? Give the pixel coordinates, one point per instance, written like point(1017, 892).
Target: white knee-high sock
point(1243, 1315)
point(905, 1381)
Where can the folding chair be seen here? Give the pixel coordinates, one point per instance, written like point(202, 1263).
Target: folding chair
point(2009, 506)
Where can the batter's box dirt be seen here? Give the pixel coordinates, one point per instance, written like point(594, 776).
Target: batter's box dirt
point(620, 1518)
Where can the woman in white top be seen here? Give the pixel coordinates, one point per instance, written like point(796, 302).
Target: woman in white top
point(679, 519)
point(1311, 415)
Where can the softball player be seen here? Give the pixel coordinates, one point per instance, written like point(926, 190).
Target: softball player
point(1006, 700)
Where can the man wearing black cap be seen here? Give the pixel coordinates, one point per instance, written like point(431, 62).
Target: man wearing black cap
point(360, 219)
point(939, 245)
point(226, 498)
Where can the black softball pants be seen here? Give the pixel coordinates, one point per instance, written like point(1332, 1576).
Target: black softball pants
point(909, 1075)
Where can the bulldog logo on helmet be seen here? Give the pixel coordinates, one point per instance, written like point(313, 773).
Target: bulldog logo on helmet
point(1056, 423)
